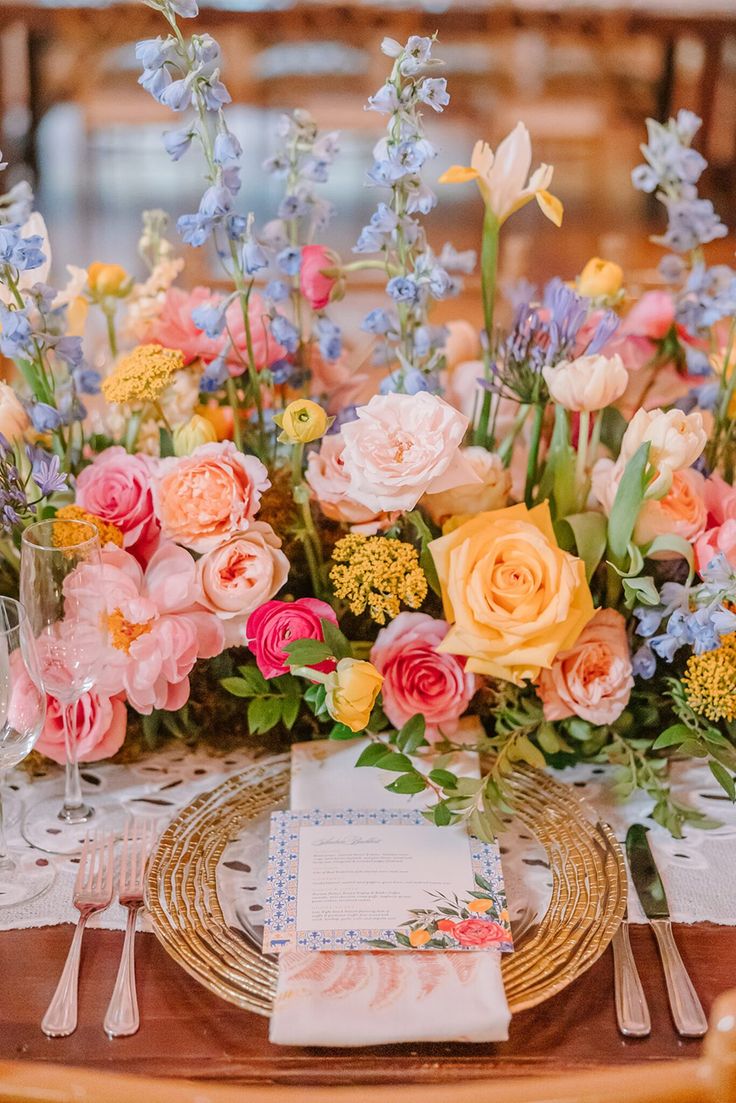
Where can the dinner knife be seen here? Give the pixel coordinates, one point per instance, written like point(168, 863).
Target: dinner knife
point(632, 1012)
point(687, 1012)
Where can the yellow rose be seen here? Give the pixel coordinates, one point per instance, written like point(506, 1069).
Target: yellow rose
point(600, 279)
point(198, 430)
point(107, 279)
point(303, 421)
point(352, 689)
point(512, 596)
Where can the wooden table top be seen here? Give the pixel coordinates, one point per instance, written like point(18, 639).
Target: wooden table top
point(188, 1032)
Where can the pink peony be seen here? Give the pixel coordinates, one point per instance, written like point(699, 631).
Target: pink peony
point(418, 679)
point(316, 287)
point(330, 487)
point(278, 623)
point(157, 628)
point(174, 329)
point(593, 678)
point(719, 540)
point(402, 446)
point(116, 486)
point(205, 498)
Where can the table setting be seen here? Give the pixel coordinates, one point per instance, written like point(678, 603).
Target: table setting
point(387, 680)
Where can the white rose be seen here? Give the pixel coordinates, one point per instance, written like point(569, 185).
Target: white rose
point(492, 492)
point(676, 440)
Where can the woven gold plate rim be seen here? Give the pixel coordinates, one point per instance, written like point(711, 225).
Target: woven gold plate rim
point(587, 903)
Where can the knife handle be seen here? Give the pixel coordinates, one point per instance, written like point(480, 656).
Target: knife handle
point(632, 1013)
point(687, 1012)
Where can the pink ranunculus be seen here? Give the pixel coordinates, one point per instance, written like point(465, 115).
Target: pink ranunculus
point(316, 287)
point(240, 574)
point(330, 487)
point(593, 679)
point(157, 628)
point(278, 623)
point(175, 329)
point(402, 446)
point(720, 500)
point(116, 486)
point(479, 932)
point(206, 497)
point(419, 679)
point(719, 540)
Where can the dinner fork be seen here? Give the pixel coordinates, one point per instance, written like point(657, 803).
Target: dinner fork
point(122, 1018)
point(92, 893)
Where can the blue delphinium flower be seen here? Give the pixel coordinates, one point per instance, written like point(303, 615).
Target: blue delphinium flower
point(210, 317)
point(644, 662)
point(403, 289)
point(330, 338)
point(45, 418)
point(289, 260)
point(381, 322)
point(15, 333)
point(284, 332)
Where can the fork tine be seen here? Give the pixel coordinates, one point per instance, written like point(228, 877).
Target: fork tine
point(110, 863)
point(83, 863)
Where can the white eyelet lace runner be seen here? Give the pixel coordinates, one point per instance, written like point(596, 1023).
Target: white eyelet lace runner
point(699, 872)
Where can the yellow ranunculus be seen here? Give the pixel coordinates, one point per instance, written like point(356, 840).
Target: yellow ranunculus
point(513, 598)
point(107, 279)
point(303, 421)
point(600, 279)
point(198, 430)
point(352, 689)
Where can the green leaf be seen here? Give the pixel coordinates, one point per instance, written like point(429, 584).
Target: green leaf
point(371, 754)
point(239, 687)
point(264, 713)
point(254, 678)
point(338, 643)
point(724, 779)
point(426, 562)
point(442, 814)
point(342, 731)
point(407, 784)
point(523, 749)
point(381, 944)
point(443, 778)
point(307, 652)
point(165, 442)
point(315, 697)
point(672, 736)
point(627, 503)
point(613, 426)
point(590, 532)
point(640, 591)
point(289, 711)
point(411, 736)
point(394, 761)
point(561, 467)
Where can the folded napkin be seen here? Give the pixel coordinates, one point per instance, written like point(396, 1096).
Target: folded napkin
point(374, 997)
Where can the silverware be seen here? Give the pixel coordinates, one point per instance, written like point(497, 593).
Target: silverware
point(687, 1012)
point(632, 1012)
point(122, 1018)
point(92, 893)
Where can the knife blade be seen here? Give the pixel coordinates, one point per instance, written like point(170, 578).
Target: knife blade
point(687, 1012)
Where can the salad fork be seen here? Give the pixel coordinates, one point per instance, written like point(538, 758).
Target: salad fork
point(92, 894)
point(122, 1018)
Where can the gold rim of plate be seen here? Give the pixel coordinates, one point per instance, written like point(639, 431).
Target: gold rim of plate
point(587, 903)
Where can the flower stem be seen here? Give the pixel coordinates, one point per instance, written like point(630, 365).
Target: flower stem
point(232, 397)
point(532, 461)
point(582, 456)
point(308, 534)
point(111, 335)
point(488, 273)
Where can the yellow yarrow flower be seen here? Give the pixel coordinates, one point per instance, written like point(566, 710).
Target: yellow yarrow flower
point(710, 681)
point(143, 374)
point(66, 534)
point(378, 574)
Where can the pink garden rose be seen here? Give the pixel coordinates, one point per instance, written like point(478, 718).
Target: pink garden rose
point(240, 574)
point(116, 486)
point(330, 488)
point(417, 678)
point(402, 446)
point(479, 932)
point(205, 498)
point(157, 628)
point(315, 286)
point(174, 329)
point(593, 678)
point(278, 623)
point(97, 723)
point(719, 540)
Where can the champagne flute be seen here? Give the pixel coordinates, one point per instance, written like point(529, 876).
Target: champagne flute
point(63, 592)
point(22, 715)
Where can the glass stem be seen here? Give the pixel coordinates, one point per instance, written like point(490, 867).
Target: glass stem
point(6, 863)
point(72, 782)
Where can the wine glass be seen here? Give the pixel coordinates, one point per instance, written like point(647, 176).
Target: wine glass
point(62, 589)
point(22, 715)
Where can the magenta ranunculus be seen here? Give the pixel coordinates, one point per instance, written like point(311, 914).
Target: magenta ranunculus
point(277, 623)
point(116, 486)
point(419, 679)
point(316, 287)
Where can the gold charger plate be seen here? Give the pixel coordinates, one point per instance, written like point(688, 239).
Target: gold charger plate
point(587, 903)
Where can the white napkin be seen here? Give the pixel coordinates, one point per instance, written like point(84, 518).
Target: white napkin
point(373, 997)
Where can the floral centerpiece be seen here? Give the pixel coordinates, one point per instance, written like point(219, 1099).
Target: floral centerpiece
point(522, 541)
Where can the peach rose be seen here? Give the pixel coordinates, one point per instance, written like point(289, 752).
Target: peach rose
point(719, 540)
point(492, 492)
point(330, 488)
point(593, 678)
point(681, 512)
point(243, 572)
point(402, 446)
point(203, 499)
point(514, 599)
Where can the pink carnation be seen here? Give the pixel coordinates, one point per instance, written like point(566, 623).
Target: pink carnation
point(278, 623)
point(419, 679)
point(116, 486)
point(174, 329)
point(330, 487)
